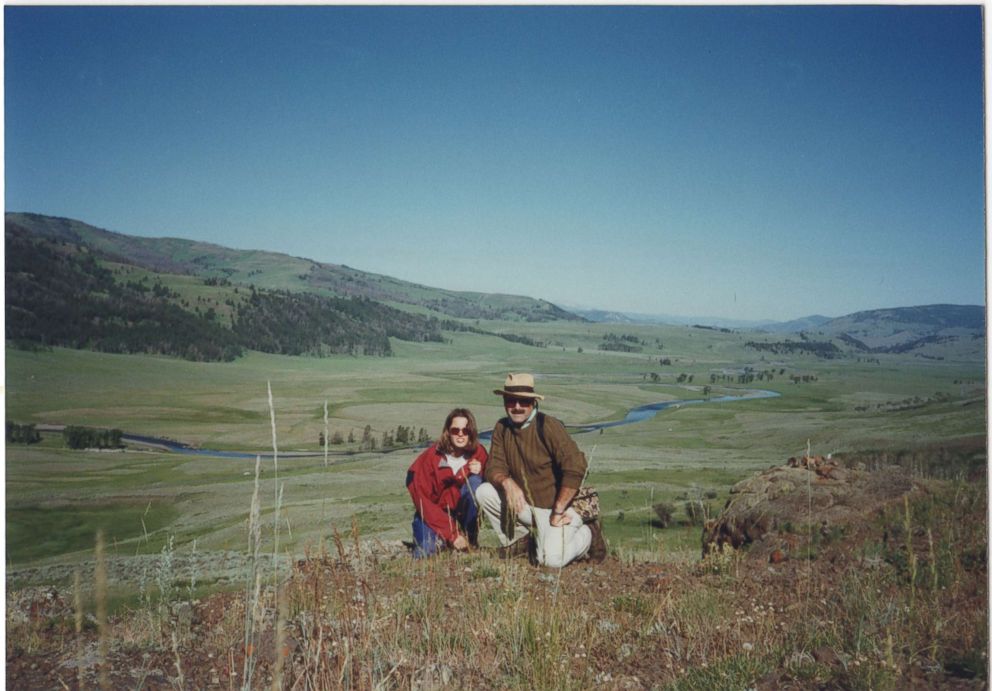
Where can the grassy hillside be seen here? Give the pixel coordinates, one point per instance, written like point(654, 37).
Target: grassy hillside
point(914, 329)
point(275, 271)
point(63, 294)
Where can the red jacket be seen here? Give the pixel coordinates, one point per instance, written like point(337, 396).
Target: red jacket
point(435, 490)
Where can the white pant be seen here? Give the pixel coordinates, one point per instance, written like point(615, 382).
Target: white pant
point(556, 547)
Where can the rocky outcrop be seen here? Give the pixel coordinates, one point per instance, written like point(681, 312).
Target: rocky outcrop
point(773, 510)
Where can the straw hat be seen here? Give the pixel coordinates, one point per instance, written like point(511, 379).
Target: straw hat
point(519, 386)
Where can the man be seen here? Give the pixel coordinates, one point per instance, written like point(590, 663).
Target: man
point(534, 471)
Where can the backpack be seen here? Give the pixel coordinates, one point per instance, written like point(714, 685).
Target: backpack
point(586, 500)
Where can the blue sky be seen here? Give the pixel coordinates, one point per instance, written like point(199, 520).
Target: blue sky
point(739, 162)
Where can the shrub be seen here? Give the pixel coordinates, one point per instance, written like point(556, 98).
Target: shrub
point(664, 512)
point(696, 511)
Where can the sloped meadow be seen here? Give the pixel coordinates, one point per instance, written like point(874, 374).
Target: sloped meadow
point(223, 572)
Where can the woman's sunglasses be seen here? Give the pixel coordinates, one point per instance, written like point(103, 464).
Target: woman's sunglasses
point(458, 431)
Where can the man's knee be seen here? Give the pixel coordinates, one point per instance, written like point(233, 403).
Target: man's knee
point(487, 496)
point(554, 561)
point(555, 556)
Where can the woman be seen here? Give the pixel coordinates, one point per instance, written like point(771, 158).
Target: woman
point(442, 482)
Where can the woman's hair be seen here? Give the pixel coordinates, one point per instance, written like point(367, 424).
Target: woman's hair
point(444, 443)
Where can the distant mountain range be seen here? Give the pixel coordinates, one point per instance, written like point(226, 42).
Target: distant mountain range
point(925, 318)
point(891, 330)
point(615, 317)
point(70, 283)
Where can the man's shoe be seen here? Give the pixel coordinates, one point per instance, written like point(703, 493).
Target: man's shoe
point(519, 548)
point(597, 549)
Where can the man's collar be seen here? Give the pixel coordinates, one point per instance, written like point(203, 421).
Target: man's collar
point(526, 423)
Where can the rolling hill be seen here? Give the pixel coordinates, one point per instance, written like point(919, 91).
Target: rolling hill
point(905, 328)
point(934, 332)
point(275, 271)
point(929, 331)
point(59, 293)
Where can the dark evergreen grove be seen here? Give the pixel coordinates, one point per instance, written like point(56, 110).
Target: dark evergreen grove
point(308, 324)
point(22, 433)
point(58, 294)
point(822, 349)
point(90, 438)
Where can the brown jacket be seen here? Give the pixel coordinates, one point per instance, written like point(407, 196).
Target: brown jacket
point(519, 454)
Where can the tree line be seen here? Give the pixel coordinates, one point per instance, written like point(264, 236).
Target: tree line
point(74, 436)
point(77, 437)
point(451, 325)
point(624, 343)
point(58, 294)
point(307, 324)
point(401, 436)
point(821, 349)
point(22, 434)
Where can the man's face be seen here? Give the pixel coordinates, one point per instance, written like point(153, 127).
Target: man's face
point(518, 409)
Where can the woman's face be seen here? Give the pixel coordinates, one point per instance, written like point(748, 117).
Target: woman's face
point(458, 431)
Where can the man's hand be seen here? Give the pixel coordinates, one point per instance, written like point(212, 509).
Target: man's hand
point(474, 467)
point(558, 509)
point(514, 495)
point(460, 543)
point(560, 519)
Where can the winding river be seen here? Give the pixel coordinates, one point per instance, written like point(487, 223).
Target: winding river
point(638, 414)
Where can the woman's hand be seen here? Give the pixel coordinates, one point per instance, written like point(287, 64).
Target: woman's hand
point(474, 467)
point(460, 543)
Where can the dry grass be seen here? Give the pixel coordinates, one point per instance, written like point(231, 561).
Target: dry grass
point(859, 615)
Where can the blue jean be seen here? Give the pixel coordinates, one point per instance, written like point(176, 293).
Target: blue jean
point(466, 513)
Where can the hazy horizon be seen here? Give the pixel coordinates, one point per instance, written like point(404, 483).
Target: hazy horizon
point(741, 163)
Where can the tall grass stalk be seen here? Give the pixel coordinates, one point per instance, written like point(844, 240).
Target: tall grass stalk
point(192, 574)
point(163, 579)
point(809, 533)
point(326, 433)
point(178, 662)
point(281, 650)
point(277, 488)
point(275, 446)
point(278, 507)
point(100, 581)
point(253, 584)
point(934, 596)
point(77, 601)
point(910, 554)
point(144, 530)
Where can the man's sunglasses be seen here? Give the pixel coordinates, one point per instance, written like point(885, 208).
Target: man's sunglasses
point(517, 402)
